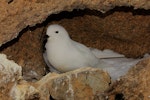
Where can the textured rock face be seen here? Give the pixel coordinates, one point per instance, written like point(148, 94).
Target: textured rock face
point(135, 85)
point(18, 14)
point(27, 52)
point(80, 84)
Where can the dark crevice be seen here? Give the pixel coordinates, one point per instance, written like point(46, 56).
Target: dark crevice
point(51, 98)
point(80, 13)
point(119, 96)
point(15, 40)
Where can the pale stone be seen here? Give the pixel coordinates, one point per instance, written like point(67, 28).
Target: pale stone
point(80, 84)
point(24, 91)
point(10, 72)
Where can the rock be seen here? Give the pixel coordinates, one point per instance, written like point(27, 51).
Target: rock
point(80, 84)
point(24, 90)
point(26, 51)
point(85, 83)
point(135, 85)
point(10, 72)
point(18, 14)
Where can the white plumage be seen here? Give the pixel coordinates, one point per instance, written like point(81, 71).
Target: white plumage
point(63, 54)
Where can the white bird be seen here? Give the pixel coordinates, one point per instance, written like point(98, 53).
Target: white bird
point(63, 54)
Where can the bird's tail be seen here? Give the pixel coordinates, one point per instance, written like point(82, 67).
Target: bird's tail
point(106, 54)
point(116, 67)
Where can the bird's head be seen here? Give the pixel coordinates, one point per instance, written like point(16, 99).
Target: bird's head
point(57, 32)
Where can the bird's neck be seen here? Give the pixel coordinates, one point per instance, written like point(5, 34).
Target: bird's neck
point(58, 43)
point(59, 40)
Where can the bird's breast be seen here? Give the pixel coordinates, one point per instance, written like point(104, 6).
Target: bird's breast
point(60, 56)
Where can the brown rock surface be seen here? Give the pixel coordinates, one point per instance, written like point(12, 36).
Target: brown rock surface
point(18, 14)
point(27, 52)
point(135, 85)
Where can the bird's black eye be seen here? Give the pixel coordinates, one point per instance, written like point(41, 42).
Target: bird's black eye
point(57, 32)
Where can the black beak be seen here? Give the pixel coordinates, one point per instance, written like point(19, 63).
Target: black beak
point(44, 41)
point(46, 36)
